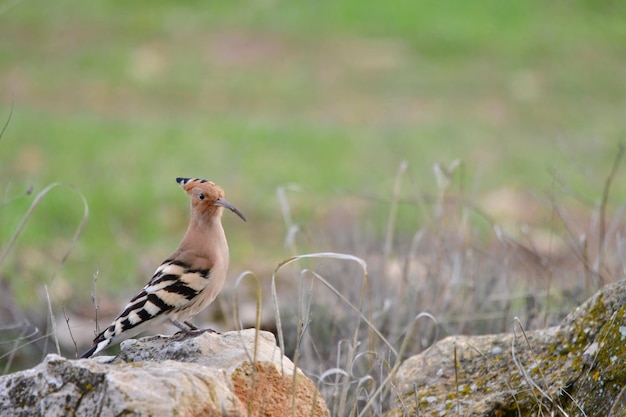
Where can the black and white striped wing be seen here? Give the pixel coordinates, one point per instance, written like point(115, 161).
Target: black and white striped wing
point(173, 287)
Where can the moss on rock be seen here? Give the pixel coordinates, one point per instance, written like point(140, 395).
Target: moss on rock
point(573, 369)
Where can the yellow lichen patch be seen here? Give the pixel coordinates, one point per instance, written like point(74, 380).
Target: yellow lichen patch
point(575, 367)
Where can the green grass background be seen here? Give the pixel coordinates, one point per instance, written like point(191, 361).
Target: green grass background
point(116, 99)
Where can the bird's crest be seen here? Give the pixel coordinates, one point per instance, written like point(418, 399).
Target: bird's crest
point(208, 189)
point(206, 194)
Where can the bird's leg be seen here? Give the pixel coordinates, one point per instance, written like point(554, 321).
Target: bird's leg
point(193, 327)
point(182, 327)
point(189, 329)
point(190, 324)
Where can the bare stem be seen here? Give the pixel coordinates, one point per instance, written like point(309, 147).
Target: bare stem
point(69, 329)
point(605, 198)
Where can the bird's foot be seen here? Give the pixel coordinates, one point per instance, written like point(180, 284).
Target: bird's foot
point(189, 330)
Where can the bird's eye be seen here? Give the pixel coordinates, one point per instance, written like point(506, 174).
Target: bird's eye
point(201, 196)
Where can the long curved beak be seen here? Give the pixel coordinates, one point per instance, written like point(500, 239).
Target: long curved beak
point(226, 204)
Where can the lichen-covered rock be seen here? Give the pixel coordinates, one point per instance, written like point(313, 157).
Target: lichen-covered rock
point(575, 369)
point(234, 374)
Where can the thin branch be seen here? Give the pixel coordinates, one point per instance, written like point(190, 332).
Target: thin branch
point(605, 198)
point(94, 300)
point(20, 227)
point(52, 321)
point(12, 352)
point(456, 381)
point(6, 124)
point(69, 329)
point(393, 212)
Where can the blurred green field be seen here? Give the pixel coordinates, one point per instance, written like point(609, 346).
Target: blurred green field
point(116, 99)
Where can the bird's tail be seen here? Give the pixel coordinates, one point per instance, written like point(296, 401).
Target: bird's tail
point(97, 347)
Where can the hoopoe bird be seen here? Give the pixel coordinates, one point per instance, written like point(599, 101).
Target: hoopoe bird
point(188, 280)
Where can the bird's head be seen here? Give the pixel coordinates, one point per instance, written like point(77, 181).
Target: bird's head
point(206, 196)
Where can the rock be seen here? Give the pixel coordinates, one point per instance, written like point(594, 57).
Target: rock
point(574, 369)
point(207, 375)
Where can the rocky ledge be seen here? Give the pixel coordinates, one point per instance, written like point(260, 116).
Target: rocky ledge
point(574, 369)
point(234, 374)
